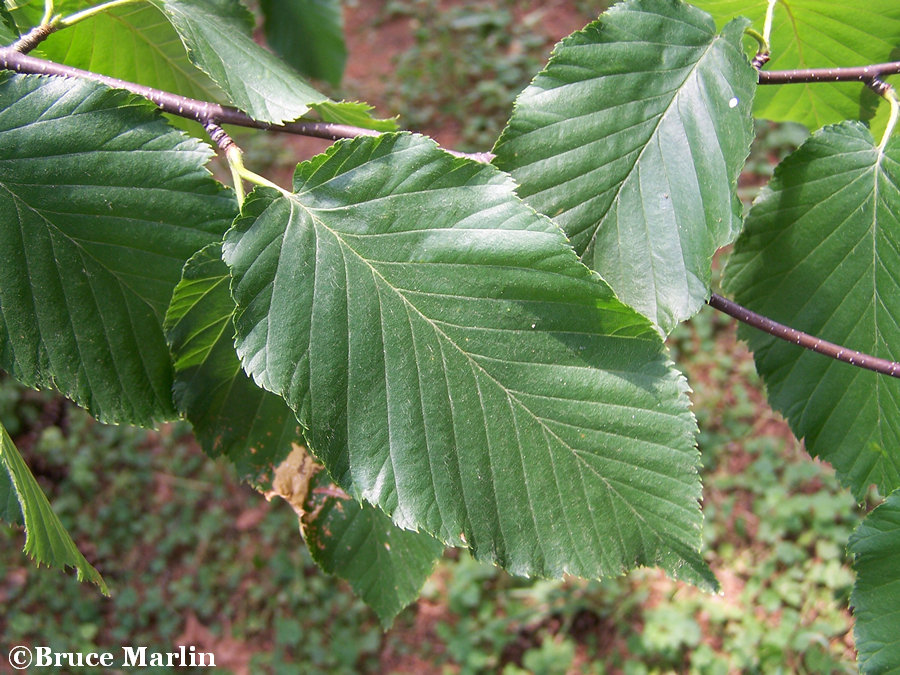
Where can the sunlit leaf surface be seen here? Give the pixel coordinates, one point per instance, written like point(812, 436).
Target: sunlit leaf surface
point(456, 365)
point(632, 139)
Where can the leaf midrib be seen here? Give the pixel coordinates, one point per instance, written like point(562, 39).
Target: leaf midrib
point(654, 133)
point(311, 213)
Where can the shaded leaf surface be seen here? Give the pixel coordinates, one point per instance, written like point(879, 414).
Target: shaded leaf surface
point(8, 31)
point(256, 430)
point(10, 511)
point(632, 139)
point(820, 34)
point(100, 206)
point(385, 565)
point(46, 540)
point(309, 35)
point(231, 416)
point(820, 253)
point(875, 547)
point(456, 365)
point(217, 34)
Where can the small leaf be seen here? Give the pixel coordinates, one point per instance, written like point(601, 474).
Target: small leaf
point(819, 253)
point(217, 34)
point(875, 547)
point(820, 34)
point(355, 114)
point(385, 565)
point(632, 139)
point(46, 540)
point(309, 35)
point(100, 206)
point(457, 366)
point(231, 416)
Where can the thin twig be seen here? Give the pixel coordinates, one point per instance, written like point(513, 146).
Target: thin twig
point(200, 111)
point(807, 75)
point(805, 340)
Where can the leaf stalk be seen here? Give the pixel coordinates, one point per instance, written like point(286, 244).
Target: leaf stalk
point(239, 172)
point(72, 19)
point(767, 24)
point(48, 12)
point(763, 54)
point(891, 95)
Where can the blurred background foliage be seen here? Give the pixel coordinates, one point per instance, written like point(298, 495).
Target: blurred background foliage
point(193, 557)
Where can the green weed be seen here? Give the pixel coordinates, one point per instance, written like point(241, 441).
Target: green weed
point(189, 553)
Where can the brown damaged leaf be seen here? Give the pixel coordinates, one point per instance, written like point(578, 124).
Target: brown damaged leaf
point(292, 477)
point(317, 500)
point(385, 565)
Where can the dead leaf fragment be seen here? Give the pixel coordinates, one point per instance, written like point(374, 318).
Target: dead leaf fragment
point(292, 477)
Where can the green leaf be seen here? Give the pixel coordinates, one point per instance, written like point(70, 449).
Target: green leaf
point(143, 43)
point(875, 547)
point(355, 114)
point(231, 416)
point(632, 139)
point(385, 565)
point(21, 11)
point(134, 43)
point(820, 34)
point(257, 431)
point(8, 30)
point(217, 34)
point(100, 206)
point(820, 252)
point(46, 540)
point(309, 35)
point(457, 366)
point(10, 511)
